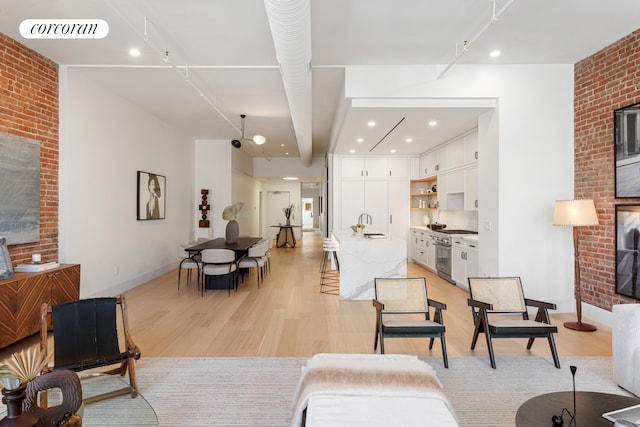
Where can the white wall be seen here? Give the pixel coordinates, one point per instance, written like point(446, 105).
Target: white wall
point(263, 168)
point(295, 196)
point(104, 141)
point(529, 142)
point(245, 188)
point(213, 171)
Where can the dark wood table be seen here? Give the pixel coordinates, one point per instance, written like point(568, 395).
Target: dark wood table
point(590, 406)
point(285, 236)
point(240, 248)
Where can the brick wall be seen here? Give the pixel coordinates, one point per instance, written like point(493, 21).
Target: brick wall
point(605, 81)
point(29, 108)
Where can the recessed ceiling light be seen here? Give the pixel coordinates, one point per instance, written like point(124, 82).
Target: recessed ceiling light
point(286, 154)
point(134, 52)
point(409, 140)
point(360, 139)
point(352, 151)
point(290, 178)
point(281, 145)
point(433, 123)
point(393, 150)
point(494, 53)
point(371, 124)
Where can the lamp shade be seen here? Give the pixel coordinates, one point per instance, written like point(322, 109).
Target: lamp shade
point(575, 213)
point(259, 139)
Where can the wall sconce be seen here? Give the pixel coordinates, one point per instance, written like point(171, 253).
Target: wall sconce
point(204, 209)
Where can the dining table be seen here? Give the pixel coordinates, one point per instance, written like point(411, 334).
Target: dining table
point(240, 248)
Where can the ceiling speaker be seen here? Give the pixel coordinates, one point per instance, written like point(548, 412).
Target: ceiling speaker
point(236, 143)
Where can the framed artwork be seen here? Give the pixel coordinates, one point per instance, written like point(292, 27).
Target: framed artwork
point(151, 195)
point(626, 124)
point(627, 246)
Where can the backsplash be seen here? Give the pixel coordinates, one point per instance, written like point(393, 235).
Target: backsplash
point(467, 220)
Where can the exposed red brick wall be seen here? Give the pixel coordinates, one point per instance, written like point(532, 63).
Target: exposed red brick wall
point(605, 81)
point(29, 108)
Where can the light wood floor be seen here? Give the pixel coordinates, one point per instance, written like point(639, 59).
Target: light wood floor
point(288, 316)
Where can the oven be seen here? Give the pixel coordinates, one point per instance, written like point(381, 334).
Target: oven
point(443, 251)
point(443, 258)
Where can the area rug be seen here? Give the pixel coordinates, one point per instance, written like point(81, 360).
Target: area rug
point(258, 391)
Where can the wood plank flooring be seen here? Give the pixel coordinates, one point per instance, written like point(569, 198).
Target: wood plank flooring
point(288, 316)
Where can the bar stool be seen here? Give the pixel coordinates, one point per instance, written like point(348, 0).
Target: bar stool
point(329, 277)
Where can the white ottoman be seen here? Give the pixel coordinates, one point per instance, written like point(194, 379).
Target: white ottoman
point(625, 340)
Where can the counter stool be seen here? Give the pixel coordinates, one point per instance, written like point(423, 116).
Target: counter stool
point(329, 277)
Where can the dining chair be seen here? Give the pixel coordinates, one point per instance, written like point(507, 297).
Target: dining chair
point(219, 262)
point(189, 263)
point(255, 258)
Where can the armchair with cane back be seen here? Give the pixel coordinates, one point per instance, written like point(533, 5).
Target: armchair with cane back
point(499, 310)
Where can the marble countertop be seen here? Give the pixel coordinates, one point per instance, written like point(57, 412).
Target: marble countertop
point(350, 235)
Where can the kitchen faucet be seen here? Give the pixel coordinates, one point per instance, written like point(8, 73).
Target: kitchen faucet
point(365, 217)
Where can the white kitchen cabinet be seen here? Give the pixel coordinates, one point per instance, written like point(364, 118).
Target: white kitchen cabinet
point(471, 189)
point(454, 155)
point(398, 208)
point(399, 167)
point(413, 245)
point(473, 269)
point(364, 167)
point(471, 149)
point(430, 253)
point(464, 261)
point(458, 263)
point(430, 164)
point(364, 196)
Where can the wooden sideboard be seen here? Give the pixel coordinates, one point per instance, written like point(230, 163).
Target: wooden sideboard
point(22, 296)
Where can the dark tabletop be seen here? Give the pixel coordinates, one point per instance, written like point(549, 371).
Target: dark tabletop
point(590, 406)
point(243, 244)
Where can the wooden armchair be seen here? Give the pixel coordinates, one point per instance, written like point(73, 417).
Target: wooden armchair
point(85, 336)
point(402, 310)
point(500, 311)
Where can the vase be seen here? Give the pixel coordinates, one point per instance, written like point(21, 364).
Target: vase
point(232, 232)
point(288, 222)
point(15, 417)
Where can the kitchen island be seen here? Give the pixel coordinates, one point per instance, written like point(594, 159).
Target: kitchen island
point(362, 259)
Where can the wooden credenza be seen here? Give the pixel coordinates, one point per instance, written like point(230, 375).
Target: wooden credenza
point(22, 296)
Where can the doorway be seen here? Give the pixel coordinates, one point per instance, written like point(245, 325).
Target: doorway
point(276, 201)
point(307, 213)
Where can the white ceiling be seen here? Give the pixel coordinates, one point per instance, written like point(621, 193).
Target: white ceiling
point(227, 50)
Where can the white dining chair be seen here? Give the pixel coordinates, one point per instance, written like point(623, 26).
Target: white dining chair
point(219, 262)
point(255, 258)
point(188, 263)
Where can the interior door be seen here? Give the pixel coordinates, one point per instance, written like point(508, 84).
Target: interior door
point(276, 201)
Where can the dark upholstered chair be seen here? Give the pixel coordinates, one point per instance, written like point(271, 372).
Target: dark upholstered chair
point(85, 336)
point(402, 311)
point(500, 311)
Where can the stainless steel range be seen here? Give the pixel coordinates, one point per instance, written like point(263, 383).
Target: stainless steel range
point(443, 251)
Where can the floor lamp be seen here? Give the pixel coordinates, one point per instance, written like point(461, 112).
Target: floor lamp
point(576, 213)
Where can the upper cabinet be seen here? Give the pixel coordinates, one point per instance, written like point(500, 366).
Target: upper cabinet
point(364, 167)
point(430, 164)
point(471, 149)
point(375, 167)
point(399, 167)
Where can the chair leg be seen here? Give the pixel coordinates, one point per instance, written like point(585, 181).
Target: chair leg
point(530, 343)
point(554, 353)
point(375, 342)
point(132, 377)
point(444, 351)
point(431, 343)
point(476, 333)
point(490, 348)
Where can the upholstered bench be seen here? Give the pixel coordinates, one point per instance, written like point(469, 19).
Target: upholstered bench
point(625, 341)
point(371, 390)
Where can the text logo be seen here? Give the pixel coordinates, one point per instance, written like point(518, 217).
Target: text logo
point(64, 29)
